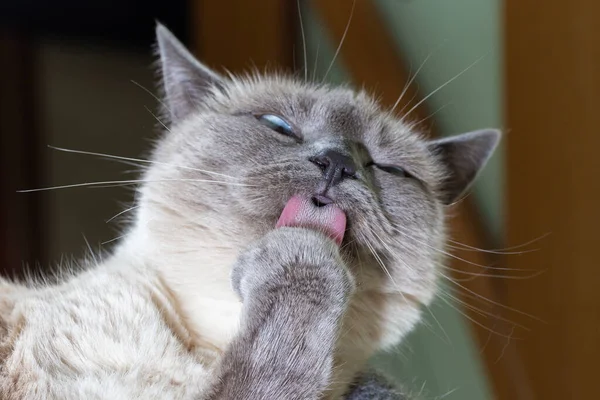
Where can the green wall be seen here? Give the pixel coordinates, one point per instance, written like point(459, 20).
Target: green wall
point(440, 357)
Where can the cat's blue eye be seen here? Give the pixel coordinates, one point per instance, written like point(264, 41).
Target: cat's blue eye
point(278, 124)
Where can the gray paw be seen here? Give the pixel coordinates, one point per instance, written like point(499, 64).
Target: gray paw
point(293, 259)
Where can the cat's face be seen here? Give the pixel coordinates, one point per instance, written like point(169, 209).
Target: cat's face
point(261, 139)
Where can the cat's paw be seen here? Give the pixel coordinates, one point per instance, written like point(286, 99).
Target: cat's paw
point(295, 260)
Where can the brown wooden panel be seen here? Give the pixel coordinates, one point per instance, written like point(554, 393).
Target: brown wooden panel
point(21, 222)
point(240, 34)
point(553, 96)
point(372, 58)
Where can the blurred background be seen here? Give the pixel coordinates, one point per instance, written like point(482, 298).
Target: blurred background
point(519, 312)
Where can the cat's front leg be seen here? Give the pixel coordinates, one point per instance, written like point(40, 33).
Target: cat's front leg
point(295, 287)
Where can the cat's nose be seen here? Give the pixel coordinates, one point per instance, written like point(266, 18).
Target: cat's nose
point(335, 165)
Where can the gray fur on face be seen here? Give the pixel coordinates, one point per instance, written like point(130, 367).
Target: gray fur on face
point(400, 219)
point(395, 229)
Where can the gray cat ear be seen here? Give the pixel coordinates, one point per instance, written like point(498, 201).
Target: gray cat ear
point(464, 156)
point(186, 81)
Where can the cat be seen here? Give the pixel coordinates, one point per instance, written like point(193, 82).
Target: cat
point(285, 232)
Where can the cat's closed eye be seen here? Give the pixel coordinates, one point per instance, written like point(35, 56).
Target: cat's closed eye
point(279, 125)
point(391, 169)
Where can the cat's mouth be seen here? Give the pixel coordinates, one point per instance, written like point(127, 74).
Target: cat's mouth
point(317, 212)
point(321, 200)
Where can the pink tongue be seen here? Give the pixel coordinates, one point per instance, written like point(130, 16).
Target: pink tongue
point(301, 212)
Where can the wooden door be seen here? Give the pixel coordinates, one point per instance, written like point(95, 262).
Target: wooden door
point(553, 116)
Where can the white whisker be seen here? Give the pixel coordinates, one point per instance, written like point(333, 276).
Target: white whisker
point(448, 393)
point(443, 86)
point(504, 250)
point(112, 240)
point(472, 319)
point(492, 301)
point(481, 312)
point(403, 232)
point(414, 96)
point(158, 119)
point(91, 153)
point(90, 249)
point(486, 275)
point(121, 213)
point(314, 74)
point(422, 388)
point(410, 81)
point(303, 40)
point(128, 182)
point(337, 51)
point(506, 345)
point(150, 93)
point(449, 341)
point(488, 339)
point(498, 252)
point(419, 122)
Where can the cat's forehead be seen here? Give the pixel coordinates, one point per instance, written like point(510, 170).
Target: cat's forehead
point(315, 106)
point(290, 95)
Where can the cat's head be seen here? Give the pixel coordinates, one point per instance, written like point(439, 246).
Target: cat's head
point(238, 148)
